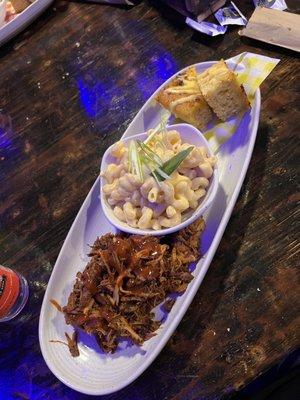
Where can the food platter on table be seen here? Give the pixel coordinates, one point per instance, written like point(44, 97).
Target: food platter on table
point(122, 349)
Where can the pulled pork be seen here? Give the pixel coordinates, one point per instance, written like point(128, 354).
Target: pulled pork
point(125, 279)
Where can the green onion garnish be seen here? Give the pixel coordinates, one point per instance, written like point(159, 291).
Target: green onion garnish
point(136, 161)
point(161, 173)
point(161, 127)
point(151, 136)
point(130, 150)
point(150, 153)
point(171, 165)
point(155, 177)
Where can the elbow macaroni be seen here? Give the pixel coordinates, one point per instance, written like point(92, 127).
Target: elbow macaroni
point(153, 205)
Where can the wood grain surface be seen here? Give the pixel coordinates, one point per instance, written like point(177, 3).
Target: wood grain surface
point(70, 85)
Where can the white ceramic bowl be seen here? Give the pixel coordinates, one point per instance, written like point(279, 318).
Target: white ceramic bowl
point(189, 134)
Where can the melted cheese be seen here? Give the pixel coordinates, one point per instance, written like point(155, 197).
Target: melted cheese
point(182, 100)
point(181, 90)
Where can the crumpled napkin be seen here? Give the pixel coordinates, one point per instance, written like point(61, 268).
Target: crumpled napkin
point(275, 4)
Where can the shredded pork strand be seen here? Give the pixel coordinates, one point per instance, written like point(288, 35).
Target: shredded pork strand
point(126, 277)
point(56, 305)
point(71, 343)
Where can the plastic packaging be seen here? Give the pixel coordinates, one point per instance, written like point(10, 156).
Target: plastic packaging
point(230, 15)
point(206, 27)
point(275, 4)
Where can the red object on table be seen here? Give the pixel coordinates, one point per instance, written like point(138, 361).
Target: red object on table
point(13, 293)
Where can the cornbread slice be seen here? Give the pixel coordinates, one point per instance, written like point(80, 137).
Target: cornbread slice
point(183, 98)
point(20, 5)
point(222, 91)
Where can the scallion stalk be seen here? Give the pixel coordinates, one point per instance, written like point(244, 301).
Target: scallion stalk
point(150, 153)
point(172, 164)
point(137, 162)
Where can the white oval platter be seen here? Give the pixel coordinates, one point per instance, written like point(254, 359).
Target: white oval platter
point(94, 372)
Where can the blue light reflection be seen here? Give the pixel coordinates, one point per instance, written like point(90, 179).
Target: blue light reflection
point(5, 141)
point(99, 98)
point(93, 97)
point(161, 66)
point(99, 94)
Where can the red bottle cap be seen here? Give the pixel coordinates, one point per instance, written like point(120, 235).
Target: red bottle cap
point(9, 290)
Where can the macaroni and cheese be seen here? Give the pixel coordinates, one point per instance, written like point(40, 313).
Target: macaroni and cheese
point(151, 204)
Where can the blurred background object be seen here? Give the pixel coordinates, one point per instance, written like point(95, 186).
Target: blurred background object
point(198, 9)
point(13, 293)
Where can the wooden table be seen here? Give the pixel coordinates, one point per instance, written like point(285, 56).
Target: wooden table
point(70, 85)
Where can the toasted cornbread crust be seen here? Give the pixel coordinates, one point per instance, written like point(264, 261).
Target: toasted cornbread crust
point(195, 111)
point(222, 91)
